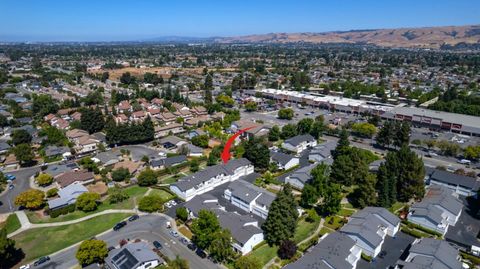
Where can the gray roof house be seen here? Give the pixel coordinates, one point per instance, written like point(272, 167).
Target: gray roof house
point(439, 208)
point(245, 231)
point(202, 201)
point(462, 185)
point(210, 177)
point(68, 196)
point(369, 227)
point(52, 151)
point(133, 256)
point(299, 143)
point(300, 177)
point(168, 162)
point(322, 152)
point(249, 197)
point(194, 150)
point(4, 147)
point(283, 161)
point(108, 158)
point(57, 169)
point(334, 251)
point(429, 253)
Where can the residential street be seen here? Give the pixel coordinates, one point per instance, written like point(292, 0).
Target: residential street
point(151, 228)
point(21, 184)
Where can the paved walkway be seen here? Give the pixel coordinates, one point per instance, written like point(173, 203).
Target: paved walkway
point(26, 224)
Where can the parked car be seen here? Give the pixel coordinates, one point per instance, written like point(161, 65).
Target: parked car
point(382, 254)
point(192, 246)
point(10, 177)
point(174, 233)
point(10, 187)
point(26, 266)
point(201, 253)
point(157, 245)
point(173, 203)
point(134, 217)
point(119, 225)
point(464, 161)
point(432, 154)
point(184, 241)
point(110, 248)
point(41, 260)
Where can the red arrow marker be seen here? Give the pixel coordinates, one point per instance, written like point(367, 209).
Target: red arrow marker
point(226, 150)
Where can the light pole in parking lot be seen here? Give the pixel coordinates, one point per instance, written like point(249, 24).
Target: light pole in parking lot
point(8, 199)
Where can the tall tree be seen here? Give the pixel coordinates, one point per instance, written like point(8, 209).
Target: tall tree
point(402, 134)
point(365, 195)
point(92, 120)
point(332, 199)
point(282, 218)
point(385, 135)
point(257, 152)
point(205, 228)
point(274, 133)
point(9, 255)
point(305, 125)
point(343, 145)
point(221, 247)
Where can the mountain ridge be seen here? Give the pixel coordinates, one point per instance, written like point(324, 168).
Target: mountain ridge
point(407, 37)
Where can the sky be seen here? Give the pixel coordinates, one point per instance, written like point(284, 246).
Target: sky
point(121, 20)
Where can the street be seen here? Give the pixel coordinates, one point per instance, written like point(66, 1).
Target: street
point(150, 228)
point(21, 184)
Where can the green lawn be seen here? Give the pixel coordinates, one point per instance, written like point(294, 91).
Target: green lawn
point(345, 212)
point(166, 196)
point(333, 222)
point(11, 224)
point(396, 206)
point(135, 192)
point(44, 241)
point(305, 229)
point(265, 253)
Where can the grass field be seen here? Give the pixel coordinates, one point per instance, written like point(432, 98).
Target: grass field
point(44, 241)
point(264, 253)
point(11, 224)
point(345, 212)
point(305, 229)
point(333, 222)
point(166, 196)
point(186, 232)
point(135, 192)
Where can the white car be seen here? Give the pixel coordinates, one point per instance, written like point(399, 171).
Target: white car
point(464, 161)
point(172, 202)
point(26, 266)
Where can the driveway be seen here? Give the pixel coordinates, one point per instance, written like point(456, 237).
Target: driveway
point(21, 183)
point(150, 228)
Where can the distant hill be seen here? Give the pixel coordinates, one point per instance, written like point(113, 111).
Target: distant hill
point(427, 37)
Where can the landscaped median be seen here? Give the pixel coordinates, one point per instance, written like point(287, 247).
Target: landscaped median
point(39, 242)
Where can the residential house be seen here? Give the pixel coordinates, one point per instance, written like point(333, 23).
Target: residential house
point(199, 110)
point(108, 158)
point(138, 116)
point(322, 152)
point(249, 197)
point(211, 177)
point(439, 209)
point(172, 142)
point(124, 106)
point(4, 147)
point(194, 122)
point(300, 177)
point(67, 196)
point(54, 151)
point(166, 117)
point(195, 133)
point(283, 161)
point(299, 143)
point(133, 256)
point(11, 162)
point(369, 227)
point(76, 176)
point(193, 151)
point(170, 129)
point(245, 230)
point(430, 253)
point(462, 185)
point(168, 162)
point(57, 169)
point(334, 251)
point(121, 118)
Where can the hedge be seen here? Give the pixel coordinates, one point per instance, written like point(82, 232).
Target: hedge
point(412, 225)
point(366, 257)
point(411, 232)
point(61, 211)
point(474, 259)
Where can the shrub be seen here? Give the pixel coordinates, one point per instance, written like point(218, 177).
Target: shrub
point(62, 211)
point(287, 249)
point(87, 201)
point(44, 179)
point(117, 195)
point(147, 177)
point(182, 213)
point(120, 174)
point(150, 203)
point(52, 192)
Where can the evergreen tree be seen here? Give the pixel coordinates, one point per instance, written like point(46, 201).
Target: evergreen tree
point(274, 133)
point(343, 145)
point(205, 228)
point(257, 152)
point(92, 120)
point(402, 134)
point(282, 218)
point(364, 195)
point(385, 135)
point(332, 199)
point(9, 255)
